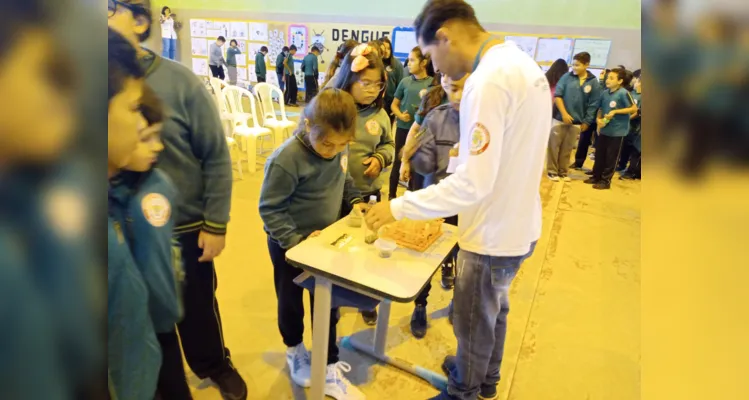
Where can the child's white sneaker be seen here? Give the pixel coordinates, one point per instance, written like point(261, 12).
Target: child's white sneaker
point(337, 386)
point(298, 359)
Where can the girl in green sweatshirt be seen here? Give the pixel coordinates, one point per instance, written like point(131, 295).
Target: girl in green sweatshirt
point(363, 75)
point(305, 180)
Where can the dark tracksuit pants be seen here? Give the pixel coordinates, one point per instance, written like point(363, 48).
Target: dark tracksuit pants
point(635, 164)
point(200, 330)
point(172, 383)
point(310, 87)
point(607, 155)
point(217, 71)
point(421, 300)
point(401, 134)
point(291, 305)
point(586, 139)
point(291, 90)
point(627, 148)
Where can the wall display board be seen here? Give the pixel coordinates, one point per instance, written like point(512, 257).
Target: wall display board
point(551, 49)
point(598, 49)
point(404, 40)
point(526, 43)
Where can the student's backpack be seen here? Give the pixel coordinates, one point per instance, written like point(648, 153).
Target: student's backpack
point(439, 133)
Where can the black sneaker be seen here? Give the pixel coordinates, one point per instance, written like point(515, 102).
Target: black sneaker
point(602, 186)
point(589, 172)
point(575, 167)
point(231, 385)
point(487, 392)
point(419, 322)
point(627, 177)
point(591, 181)
point(448, 276)
point(370, 317)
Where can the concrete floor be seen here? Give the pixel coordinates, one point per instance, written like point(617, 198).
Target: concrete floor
point(574, 328)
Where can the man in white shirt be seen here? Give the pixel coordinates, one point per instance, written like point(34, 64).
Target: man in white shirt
point(504, 132)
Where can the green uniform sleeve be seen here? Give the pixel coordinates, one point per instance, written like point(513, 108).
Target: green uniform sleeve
point(385, 151)
point(275, 196)
point(400, 92)
point(208, 143)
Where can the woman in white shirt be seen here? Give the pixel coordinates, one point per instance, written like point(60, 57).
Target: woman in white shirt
point(168, 33)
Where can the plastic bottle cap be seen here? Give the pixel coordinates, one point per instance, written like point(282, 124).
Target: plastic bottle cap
point(373, 198)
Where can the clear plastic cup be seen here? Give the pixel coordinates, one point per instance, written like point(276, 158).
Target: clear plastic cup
point(385, 248)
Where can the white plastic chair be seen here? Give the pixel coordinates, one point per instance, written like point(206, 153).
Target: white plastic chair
point(249, 134)
point(280, 125)
point(232, 146)
point(223, 108)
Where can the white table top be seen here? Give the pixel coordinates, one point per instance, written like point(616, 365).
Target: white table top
point(400, 277)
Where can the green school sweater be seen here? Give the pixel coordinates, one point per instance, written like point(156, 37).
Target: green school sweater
point(290, 62)
point(409, 92)
point(373, 139)
point(195, 155)
point(302, 192)
point(310, 65)
point(260, 65)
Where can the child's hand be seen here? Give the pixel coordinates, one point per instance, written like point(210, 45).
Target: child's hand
point(567, 119)
point(374, 167)
point(314, 234)
point(600, 123)
point(610, 115)
point(360, 209)
point(405, 172)
point(405, 117)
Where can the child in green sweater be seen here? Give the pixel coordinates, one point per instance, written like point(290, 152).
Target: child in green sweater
point(305, 181)
point(231, 61)
point(363, 75)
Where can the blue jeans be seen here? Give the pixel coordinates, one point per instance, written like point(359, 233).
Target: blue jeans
point(481, 304)
point(168, 48)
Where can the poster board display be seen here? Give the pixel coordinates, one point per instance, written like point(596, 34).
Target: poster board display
point(551, 49)
point(597, 48)
point(404, 40)
point(526, 43)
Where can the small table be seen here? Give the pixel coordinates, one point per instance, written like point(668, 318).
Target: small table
point(358, 267)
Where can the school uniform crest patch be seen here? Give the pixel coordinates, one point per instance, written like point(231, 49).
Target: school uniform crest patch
point(389, 69)
point(373, 128)
point(156, 209)
point(344, 163)
point(587, 89)
point(637, 102)
point(479, 139)
point(612, 104)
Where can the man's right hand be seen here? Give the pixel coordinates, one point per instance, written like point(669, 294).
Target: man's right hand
point(567, 119)
point(405, 117)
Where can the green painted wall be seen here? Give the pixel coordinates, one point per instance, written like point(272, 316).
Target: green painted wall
point(575, 13)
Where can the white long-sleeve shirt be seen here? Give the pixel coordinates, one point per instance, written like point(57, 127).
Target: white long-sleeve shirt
point(167, 29)
point(504, 132)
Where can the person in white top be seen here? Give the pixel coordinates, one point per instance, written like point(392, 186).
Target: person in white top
point(504, 132)
point(168, 33)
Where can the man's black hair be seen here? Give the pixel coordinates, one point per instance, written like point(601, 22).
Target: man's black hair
point(292, 47)
point(285, 49)
point(437, 12)
point(314, 48)
point(583, 57)
point(221, 39)
point(264, 49)
point(123, 63)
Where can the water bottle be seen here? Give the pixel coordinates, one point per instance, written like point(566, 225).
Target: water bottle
point(370, 236)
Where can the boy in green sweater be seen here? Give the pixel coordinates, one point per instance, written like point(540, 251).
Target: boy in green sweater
point(311, 74)
point(260, 64)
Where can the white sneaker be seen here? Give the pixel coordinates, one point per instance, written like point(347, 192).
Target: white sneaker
point(567, 179)
point(337, 386)
point(553, 177)
point(298, 359)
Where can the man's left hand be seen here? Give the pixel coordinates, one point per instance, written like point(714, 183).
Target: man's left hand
point(379, 215)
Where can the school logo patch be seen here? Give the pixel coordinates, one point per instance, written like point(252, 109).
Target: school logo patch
point(156, 209)
point(373, 128)
point(587, 89)
point(612, 104)
point(479, 139)
point(389, 69)
point(637, 102)
point(344, 163)
point(422, 93)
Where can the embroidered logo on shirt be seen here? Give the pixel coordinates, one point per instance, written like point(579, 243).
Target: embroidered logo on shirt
point(587, 89)
point(612, 104)
point(422, 93)
point(156, 209)
point(373, 128)
point(389, 69)
point(344, 163)
point(479, 139)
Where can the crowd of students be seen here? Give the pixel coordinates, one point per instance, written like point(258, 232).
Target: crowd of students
point(166, 227)
point(607, 109)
